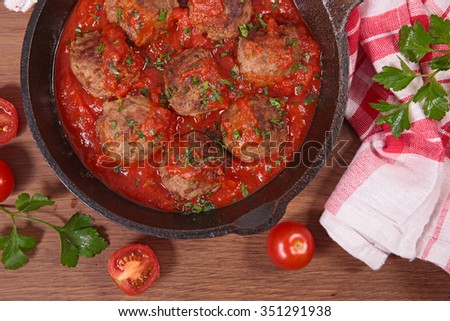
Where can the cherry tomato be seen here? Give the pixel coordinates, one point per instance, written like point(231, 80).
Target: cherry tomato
point(8, 121)
point(290, 245)
point(134, 267)
point(6, 180)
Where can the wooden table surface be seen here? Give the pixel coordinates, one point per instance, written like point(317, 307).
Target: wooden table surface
point(225, 268)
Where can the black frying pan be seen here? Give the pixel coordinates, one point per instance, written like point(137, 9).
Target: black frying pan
point(260, 211)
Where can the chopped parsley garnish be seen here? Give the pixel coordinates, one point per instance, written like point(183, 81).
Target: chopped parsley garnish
point(196, 81)
point(140, 134)
point(131, 122)
point(261, 21)
point(226, 53)
point(145, 92)
point(162, 17)
point(275, 102)
point(307, 57)
point(112, 69)
point(298, 67)
point(121, 108)
point(100, 47)
point(129, 60)
point(139, 27)
point(275, 5)
point(310, 99)
point(234, 72)
point(243, 29)
point(119, 14)
point(276, 122)
point(79, 32)
point(244, 190)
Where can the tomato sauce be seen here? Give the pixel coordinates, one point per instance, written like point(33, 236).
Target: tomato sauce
point(140, 182)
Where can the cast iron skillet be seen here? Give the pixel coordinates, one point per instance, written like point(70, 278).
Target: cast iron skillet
point(257, 213)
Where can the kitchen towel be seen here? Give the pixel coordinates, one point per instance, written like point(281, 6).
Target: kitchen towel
point(19, 5)
point(395, 195)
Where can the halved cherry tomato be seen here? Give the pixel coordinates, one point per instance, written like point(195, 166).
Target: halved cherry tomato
point(290, 245)
point(8, 121)
point(134, 267)
point(6, 180)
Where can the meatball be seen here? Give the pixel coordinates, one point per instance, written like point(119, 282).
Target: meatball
point(222, 18)
point(265, 56)
point(254, 129)
point(86, 64)
point(192, 81)
point(195, 167)
point(140, 19)
point(132, 128)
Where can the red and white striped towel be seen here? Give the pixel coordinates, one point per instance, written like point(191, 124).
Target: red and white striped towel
point(395, 195)
point(19, 5)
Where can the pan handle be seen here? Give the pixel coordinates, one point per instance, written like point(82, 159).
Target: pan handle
point(340, 10)
point(260, 219)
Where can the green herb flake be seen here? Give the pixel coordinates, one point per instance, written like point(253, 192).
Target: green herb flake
point(145, 92)
point(275, 102)
point(129, 60)
point(112, 69)
point(131, 122)
point(162, 17)
point(100, 48)
point(275, 5)
point(310, 99)
point(261, 21)
point(119, 15)
point(244, 190)
point(121, 107)
point(298, 67)
point(243, 29)
point(234, 73)
point(78, 32)
point(276, 122)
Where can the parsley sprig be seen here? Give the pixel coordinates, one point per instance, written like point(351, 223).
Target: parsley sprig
point(78, 237)
point(415, 42)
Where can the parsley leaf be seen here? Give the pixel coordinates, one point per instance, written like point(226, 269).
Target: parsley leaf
point(25, 203)
point(397, 116)
point(243, 29)
point(439, 30)
point(244, 190)
point(441, 63)
point(414, 42)
point(14, 247)
point(395, 78)
point(435, 105)
point(78, 238)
